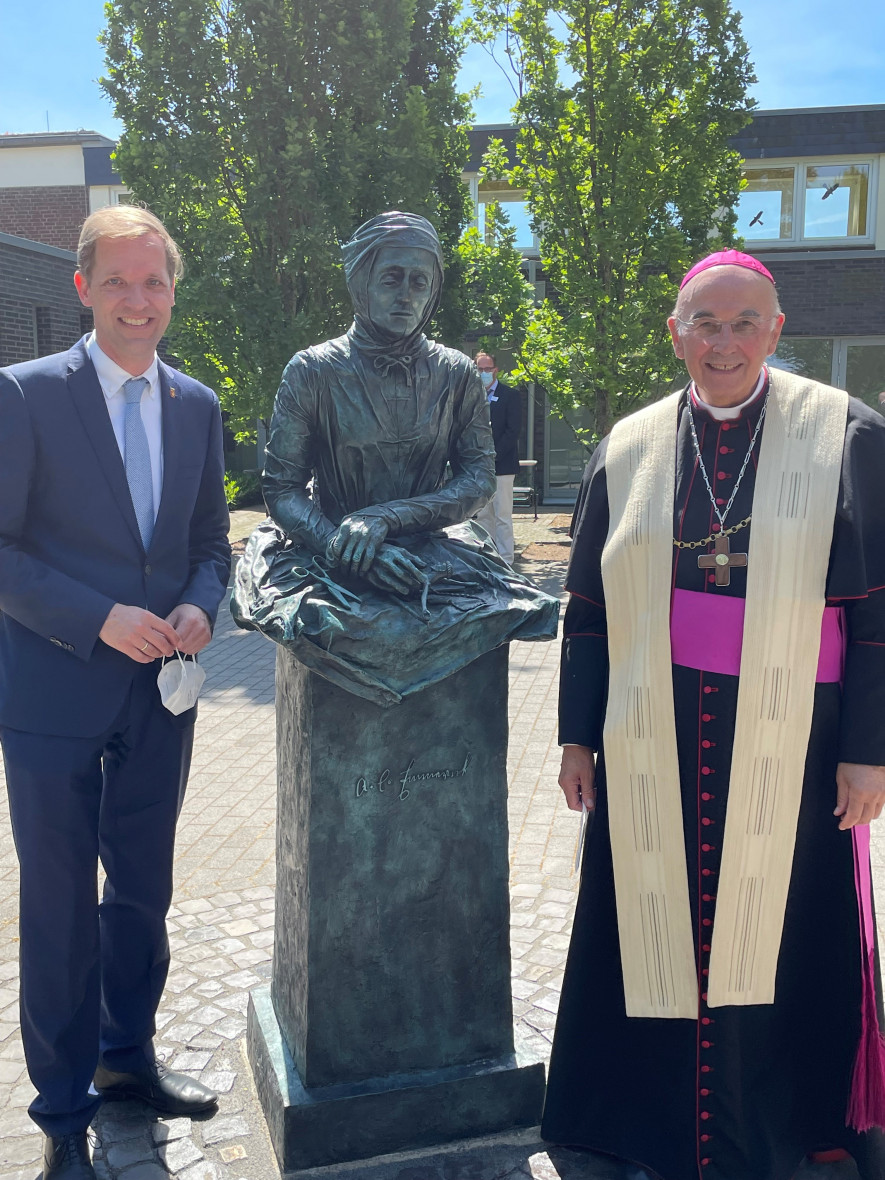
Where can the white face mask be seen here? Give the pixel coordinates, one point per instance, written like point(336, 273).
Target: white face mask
point(486, 378)
point(179, 683)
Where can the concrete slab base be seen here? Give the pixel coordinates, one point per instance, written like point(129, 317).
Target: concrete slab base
point(359, 1121)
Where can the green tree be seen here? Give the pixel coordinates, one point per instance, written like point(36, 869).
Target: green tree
point(626, 108)
point(263, 132)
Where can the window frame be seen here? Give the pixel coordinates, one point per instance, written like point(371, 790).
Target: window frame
point(504, 194)
point(841, 344)
point(800, 168)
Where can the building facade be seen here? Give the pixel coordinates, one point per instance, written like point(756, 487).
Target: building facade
point(39, 309)
point(49, 183)
point(813, 210)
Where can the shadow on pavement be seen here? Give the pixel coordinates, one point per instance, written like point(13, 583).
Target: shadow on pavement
point(492, 1160)
point(548, 575)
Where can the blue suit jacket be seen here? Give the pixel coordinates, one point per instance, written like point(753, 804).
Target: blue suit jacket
point(69, 541)
point(506, 415)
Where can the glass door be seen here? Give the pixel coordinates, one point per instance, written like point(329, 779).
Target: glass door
point(855, 363)
point(864, 371)
point(806, 357)
point(565, 456)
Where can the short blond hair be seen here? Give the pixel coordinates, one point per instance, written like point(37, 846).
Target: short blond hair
point(125, 221)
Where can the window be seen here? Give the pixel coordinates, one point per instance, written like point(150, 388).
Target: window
point(765, 206)
point(43, 324)
point(865, 371)
point(836, 200)
point(513, 204)
point(806, 357)
point(855, 363)
point(785, 204)
point(103, 195)
point(566, 455)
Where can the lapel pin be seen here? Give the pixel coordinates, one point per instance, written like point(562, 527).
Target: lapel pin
point(171, 391)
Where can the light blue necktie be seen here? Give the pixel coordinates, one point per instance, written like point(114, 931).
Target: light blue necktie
point(138, 459)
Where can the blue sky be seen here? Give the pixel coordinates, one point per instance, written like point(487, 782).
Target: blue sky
point(806, 53)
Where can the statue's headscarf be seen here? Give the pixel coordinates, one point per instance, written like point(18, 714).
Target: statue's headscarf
point(389, 229)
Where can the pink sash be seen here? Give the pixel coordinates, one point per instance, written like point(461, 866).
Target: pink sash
point(866, 1103)
point(707, 631)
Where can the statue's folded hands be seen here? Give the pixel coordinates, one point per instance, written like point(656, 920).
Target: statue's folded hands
point(357, 540)
point(395, 569)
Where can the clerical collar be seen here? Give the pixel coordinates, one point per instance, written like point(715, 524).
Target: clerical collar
point(726, 413)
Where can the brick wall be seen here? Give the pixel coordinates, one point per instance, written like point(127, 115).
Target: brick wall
point(37, 300)
point(831, 296)
point(52, 215)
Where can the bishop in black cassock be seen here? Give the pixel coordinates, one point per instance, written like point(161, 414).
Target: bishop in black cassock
point(740, 1092)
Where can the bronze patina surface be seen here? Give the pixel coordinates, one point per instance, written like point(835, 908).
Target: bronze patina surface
point(369, 569)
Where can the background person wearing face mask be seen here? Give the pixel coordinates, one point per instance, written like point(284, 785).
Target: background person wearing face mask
point(504, 408)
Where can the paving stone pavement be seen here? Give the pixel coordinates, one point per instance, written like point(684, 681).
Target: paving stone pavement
point(221, 931)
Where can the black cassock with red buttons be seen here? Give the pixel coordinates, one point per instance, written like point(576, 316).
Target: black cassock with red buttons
point(743, 1092)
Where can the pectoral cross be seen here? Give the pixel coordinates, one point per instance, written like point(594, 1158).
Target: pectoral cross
point(721, 560)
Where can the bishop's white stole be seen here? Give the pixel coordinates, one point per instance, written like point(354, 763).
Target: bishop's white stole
point(794, 504)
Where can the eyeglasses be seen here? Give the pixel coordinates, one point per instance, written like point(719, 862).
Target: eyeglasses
point(708, 329)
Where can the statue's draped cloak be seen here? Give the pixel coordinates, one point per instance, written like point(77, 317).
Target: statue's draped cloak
point(376, 438)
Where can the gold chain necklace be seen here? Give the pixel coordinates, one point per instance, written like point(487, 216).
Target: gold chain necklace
point(714, 536)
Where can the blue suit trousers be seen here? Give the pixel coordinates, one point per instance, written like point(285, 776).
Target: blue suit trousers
point(92, 972)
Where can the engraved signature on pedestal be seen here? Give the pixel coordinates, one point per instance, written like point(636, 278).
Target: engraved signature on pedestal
point(365, 784)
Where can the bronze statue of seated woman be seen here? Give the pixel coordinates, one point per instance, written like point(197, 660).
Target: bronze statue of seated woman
point(370, 570)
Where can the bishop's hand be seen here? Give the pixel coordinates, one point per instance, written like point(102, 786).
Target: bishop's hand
point(577, 777)
point(860, 793)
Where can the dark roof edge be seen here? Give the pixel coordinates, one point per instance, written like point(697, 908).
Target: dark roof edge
point(37, 247)
point(757, 111)
point(56, 139)
point(786, 254)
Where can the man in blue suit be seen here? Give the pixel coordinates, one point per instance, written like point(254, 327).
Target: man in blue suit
point(113, 554)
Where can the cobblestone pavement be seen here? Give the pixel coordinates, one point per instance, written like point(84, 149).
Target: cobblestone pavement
point(221, 929)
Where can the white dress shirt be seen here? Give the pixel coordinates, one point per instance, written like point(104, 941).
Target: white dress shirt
point(112, 378)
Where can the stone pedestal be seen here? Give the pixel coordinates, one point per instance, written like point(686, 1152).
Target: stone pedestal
point(389, 1024)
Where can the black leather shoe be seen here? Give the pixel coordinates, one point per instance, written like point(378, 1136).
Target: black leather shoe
point(66, 1157)
point(159, 1087)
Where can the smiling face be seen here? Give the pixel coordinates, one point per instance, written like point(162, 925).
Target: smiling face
point(400, 288)
point(724, 366)
point(131, 294)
